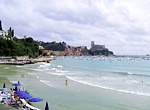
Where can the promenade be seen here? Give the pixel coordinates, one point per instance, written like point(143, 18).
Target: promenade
point(21, 61)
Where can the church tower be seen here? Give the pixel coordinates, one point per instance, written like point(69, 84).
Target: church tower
point(0, 25)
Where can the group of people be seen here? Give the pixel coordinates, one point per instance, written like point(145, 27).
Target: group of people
point(10, 98)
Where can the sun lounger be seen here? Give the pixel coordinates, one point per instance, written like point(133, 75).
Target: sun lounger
point(31, 107)
point(28, 105)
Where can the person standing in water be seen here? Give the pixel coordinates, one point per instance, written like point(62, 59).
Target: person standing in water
point(66, 82)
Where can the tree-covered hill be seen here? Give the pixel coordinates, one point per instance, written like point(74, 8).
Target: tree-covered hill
point(18, 47)
point(104, 52)
point(54, 46)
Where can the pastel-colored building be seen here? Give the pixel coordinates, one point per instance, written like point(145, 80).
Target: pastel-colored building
point(74, 51)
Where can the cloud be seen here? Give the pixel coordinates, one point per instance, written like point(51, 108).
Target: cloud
point(121, 25)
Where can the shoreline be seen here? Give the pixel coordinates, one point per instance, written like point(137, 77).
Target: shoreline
point(22, 61)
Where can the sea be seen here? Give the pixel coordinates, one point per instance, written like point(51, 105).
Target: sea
point(94, 83)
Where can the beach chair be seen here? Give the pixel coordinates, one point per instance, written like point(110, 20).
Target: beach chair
point(28, 105)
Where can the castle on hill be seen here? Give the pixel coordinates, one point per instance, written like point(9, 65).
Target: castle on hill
point(95, 47)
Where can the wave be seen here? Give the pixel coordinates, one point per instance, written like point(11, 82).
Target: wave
point(36, 69)
point(44, 65)
point(46, 82)
point(129, 73)
point(110, 88)
point(19, 66)
point(6, 67)
point(60, 66)
point(52, 69)
point(57, 74)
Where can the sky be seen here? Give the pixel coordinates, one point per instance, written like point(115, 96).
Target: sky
point(123, 26)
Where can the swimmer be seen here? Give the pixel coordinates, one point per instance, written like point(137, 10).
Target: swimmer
point(66, 82)
point(142, 82)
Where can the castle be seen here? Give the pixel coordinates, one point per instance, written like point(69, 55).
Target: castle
point(97, 47)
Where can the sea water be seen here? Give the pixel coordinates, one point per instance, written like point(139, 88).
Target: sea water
point(93, 84)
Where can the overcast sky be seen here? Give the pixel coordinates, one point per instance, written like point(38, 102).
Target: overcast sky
point(123, 26)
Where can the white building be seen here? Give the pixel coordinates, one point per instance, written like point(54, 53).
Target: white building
point(3, 33)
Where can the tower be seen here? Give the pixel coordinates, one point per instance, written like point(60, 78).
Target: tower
point(0, 25)
point(92, 44)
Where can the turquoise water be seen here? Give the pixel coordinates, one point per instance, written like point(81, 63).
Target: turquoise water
point(92, 84)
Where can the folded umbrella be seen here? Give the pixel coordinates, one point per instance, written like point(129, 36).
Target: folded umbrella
point(46, 106)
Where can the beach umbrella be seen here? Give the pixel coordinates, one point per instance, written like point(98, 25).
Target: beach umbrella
point(24, 96)
point(46, 106)
point(16, 84)
point(4, 85)
point(20, 92)
point(35, 100)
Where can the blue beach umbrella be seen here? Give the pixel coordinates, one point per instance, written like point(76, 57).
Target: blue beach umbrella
point(35, 100)
point(4, 85)
point(46, 106)
point(24, 96)
point(20, 92)
point(16, 84)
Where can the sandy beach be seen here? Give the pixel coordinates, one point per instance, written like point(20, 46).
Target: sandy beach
point(102, 85)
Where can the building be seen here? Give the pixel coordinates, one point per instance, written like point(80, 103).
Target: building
point(3, 33)
point(74, 51)
point(97, 47)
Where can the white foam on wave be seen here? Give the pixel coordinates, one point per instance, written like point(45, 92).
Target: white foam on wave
point(59, 66)
point(58, 71)
point(58, 74)
point(110, 88)
point(130, 73)
point(37, 69)
point(44, 66)
point(52, 69)
point(108, 78)
point(46, 82)
point(44, 63)
point(12, 80)
point(19, 66)
point(31, 73)
point(6, 67)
